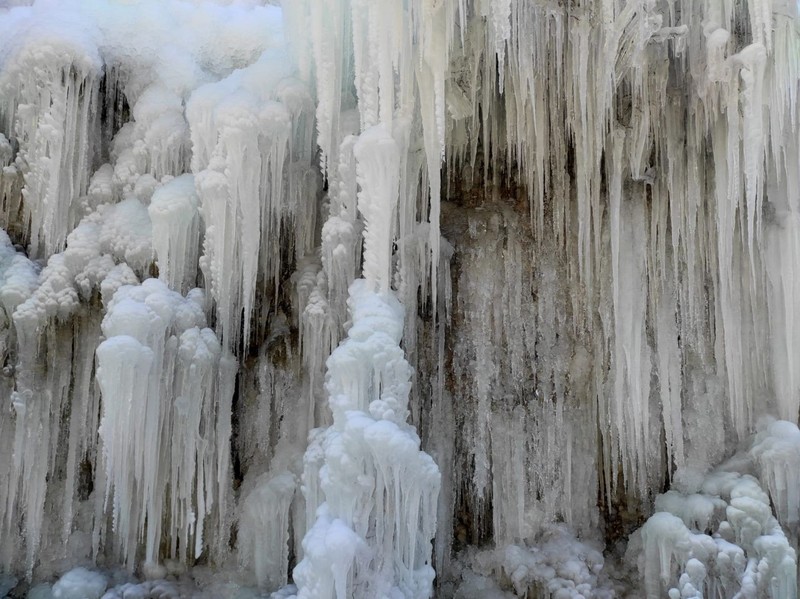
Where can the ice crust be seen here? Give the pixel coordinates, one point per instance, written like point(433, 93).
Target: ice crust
point(355, 299)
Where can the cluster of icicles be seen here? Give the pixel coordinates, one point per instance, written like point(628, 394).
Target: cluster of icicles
point(255, 260)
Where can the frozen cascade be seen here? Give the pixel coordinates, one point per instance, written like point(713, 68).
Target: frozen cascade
point(347, 298)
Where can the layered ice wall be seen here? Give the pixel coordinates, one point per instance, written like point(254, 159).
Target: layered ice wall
point(348, 298)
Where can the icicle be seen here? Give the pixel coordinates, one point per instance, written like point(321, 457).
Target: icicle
point(341, 243)
point(752, 60)
point(776, 450)
point(328, 40)
point(629, 401)
point(378, 167)
point(431, 82)
point(175, 217)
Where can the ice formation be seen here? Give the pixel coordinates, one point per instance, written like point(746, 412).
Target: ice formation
point(349, 298)
point(717, 535)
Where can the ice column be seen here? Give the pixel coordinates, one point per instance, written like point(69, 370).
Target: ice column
point(379, 492)
point(375, 490)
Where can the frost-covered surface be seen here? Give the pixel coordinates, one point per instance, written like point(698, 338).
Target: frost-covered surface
point(347, 298)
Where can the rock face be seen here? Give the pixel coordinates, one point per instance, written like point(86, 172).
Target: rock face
point(354, 298)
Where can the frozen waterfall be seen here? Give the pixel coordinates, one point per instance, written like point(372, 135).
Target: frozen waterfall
point(399, 299)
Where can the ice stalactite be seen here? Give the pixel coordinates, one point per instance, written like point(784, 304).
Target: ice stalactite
point(372, 48)
point(273, 426)
point(341, 234)
point(378, 166)
point(627, 402)
point(19, 276)
point(775, 451)
point(45, 325)
point(144, 189)
point(11, 183)
point(233, 175)
point(265, 528)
